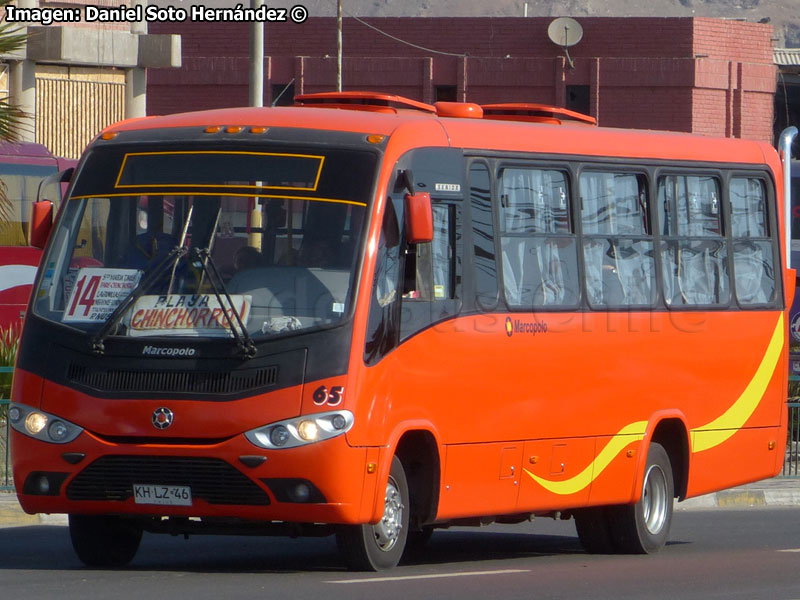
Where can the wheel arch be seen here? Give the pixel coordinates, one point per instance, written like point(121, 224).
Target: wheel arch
point(672, 433)
point(418, 448)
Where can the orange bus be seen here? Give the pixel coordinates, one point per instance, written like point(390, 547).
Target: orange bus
point(370, 317)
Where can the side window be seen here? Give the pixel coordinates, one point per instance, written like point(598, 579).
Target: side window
point(445, 251)
point(694, 253)
point(539, 258)
point(430, 268)
point(381, 327)
point(430, 289)
point(618, 249)
point(480, 194)
point(753, 255)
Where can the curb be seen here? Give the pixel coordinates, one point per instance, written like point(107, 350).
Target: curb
point(12, 515)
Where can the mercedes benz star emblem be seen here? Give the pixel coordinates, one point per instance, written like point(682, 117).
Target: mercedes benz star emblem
point(162, 418)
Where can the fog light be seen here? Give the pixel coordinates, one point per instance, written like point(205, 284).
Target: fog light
point(43, 485)
point(338, 422)
point(279, 435)
point(57, 431)
point(308, 430)
point(302, 493)
point(35, 422)
point(14, 414)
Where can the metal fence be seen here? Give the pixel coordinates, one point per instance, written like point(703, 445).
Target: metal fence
point(791, 465)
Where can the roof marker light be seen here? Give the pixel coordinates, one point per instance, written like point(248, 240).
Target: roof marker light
point(108, 135)
point(213, 129)
point(258, 130)
point(234, 129)
point(375, 138)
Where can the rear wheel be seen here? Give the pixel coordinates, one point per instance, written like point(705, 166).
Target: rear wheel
point(104, 541)
point(593, 530)
point(380, 546)
point(640, 528)
point(643, 528)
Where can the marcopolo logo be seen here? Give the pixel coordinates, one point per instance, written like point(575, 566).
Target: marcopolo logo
point(518, 326)
point(170, 352)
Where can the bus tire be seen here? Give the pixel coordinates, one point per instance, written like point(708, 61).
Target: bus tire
point(104, 541)
point(643, 528)
point(593, 529)
point(380, 546)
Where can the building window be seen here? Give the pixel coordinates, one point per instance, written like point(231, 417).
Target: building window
point(282, 94)
point(446, 93)
point(578, 99)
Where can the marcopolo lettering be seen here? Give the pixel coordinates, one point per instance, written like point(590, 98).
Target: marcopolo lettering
point(517, 326)
point(165, 351)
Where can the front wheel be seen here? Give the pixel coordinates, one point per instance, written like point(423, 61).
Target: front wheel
point(104, 541)
point(380, 546)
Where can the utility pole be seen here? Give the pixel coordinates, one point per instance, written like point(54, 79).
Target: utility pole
point(256, 59)
point(339, 46)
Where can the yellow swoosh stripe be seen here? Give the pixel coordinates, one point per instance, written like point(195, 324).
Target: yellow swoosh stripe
point(630, 433)
point(733, 419)
point(703, 438)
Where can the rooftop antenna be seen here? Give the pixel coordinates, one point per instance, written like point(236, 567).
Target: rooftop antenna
point(565, 32)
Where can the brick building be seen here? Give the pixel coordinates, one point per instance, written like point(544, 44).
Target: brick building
point(702, 75)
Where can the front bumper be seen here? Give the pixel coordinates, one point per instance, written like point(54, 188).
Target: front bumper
point(326, 482)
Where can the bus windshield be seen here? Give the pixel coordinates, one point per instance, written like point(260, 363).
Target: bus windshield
point(185, 242)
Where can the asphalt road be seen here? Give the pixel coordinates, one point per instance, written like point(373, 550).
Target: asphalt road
point(753, 553)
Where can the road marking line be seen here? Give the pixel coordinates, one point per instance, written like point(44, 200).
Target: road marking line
point(433, 576)
point(790, 550)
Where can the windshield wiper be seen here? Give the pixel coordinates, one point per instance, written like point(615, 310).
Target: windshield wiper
point(144, 285)
point(247, 347)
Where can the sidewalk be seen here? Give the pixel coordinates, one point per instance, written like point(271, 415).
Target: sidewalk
point(770, 492)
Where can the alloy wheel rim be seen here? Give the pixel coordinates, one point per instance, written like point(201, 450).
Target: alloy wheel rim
point(654, 500)
point(387, 530)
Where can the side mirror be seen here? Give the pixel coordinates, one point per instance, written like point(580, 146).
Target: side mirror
point(41, 222)
point(419, 218)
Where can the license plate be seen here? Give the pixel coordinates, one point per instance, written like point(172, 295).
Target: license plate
point(169, 495)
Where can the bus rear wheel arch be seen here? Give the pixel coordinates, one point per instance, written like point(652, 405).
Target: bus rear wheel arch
point(640, 528)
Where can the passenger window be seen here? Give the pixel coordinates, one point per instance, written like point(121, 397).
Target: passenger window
point(694, 254)
point(753, 254)
point(540, 266)
point(617, 246)
point(689, 206)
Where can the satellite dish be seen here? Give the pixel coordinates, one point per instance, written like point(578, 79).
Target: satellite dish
point(565, 32)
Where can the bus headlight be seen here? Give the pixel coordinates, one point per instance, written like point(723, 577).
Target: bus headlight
point(41, 425)
point(308, 431)
point(35, 422)
point(300, 431)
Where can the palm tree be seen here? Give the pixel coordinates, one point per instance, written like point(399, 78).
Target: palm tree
point(11, 117)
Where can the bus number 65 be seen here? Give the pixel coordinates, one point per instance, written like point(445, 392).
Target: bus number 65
point(332, 398)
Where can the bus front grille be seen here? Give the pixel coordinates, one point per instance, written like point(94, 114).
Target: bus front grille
point(197, 382)
point(213, 480)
